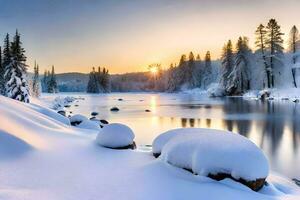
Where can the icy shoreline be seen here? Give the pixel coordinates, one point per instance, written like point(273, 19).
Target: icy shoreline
point(53, 160)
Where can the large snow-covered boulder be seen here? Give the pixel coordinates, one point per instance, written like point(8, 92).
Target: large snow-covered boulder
point(77, 119)
point(116, 136)
point(217, 155)
point(161, 140)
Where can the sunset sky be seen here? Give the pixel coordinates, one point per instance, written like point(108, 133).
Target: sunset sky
point(127, 35)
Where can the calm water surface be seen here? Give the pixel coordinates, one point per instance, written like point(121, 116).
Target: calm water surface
point(274, 126)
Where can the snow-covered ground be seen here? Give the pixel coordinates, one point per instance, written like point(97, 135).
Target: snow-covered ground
point(41, 157)
point(290, 94)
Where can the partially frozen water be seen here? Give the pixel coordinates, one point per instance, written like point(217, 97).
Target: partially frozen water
point(274, 126)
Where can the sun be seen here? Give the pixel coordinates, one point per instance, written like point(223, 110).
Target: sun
point(153, 70)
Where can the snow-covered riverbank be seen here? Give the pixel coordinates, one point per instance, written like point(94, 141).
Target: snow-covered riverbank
point(43, 157)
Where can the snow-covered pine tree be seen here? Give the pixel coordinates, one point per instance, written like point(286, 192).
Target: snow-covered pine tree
point(191, 72)
point(227, 65)
point(240, 76)
point(180, 72)
point(16, 70)
point(207, 72)
point(35, 90)
point(2, 71)
point(105, 81)
point(260, 43)
point(171, 82)
point(93, 83)
point(294, 42)
point(52, 84)
point(274, 44)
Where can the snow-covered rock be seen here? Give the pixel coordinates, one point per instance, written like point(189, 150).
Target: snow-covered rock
point(218, 155)
point(89, 124)
point(77, 119)
point(116, 136)
point(61, 102)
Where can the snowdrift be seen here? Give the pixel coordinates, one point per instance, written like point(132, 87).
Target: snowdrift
point(53, 160)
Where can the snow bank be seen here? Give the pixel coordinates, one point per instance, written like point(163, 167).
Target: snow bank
point(115, 136)
point(215, 90)
point(50, 113)
point(291, 94)
point(212, 152)
point(12, 146)
point(64, 164)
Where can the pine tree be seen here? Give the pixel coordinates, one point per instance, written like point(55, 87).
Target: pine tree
point(240, 76)
point(261, 35)
point(180, 72)
point(293, 48)
point(16, 70)
point(198, 57)
point(274, 44)
point(35, 90)
point(2, 71)
point(6, 51)
point(227, 65)
point(52, 84)
point(93, 83)
point(190, 74)
point(45, 82)
point(207, 74)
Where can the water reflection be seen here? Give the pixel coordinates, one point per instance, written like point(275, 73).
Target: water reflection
point(272, 125)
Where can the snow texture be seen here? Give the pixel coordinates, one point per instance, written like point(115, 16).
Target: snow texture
point(115, 135)
point(51, 160)
point(208, 151)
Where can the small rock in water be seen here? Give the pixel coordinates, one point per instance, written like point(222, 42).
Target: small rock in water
point(62, 112)
point(92, 118)
point(296, 100)
point(147, 110)
point(67, 106)
point(103, 121)
point(71, 112)
point(285, 98)
point(94, 113)
point(76, 105)
point(114, 109)
point(271, 98)
point(120, 99)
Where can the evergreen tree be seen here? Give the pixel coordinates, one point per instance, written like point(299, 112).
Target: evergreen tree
point(93, 83)
point(293, 48)
point(2, 71)
point(274, 44)
point(171, 83)
point(198, 58)
point(6, 52)
point(207, 74)
point(35, 87)
point(16, 71)
point(190, 73)
point(180, 72)
point(52, 84)
point(261, 35)
point(227, 65)
point(240, 76)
